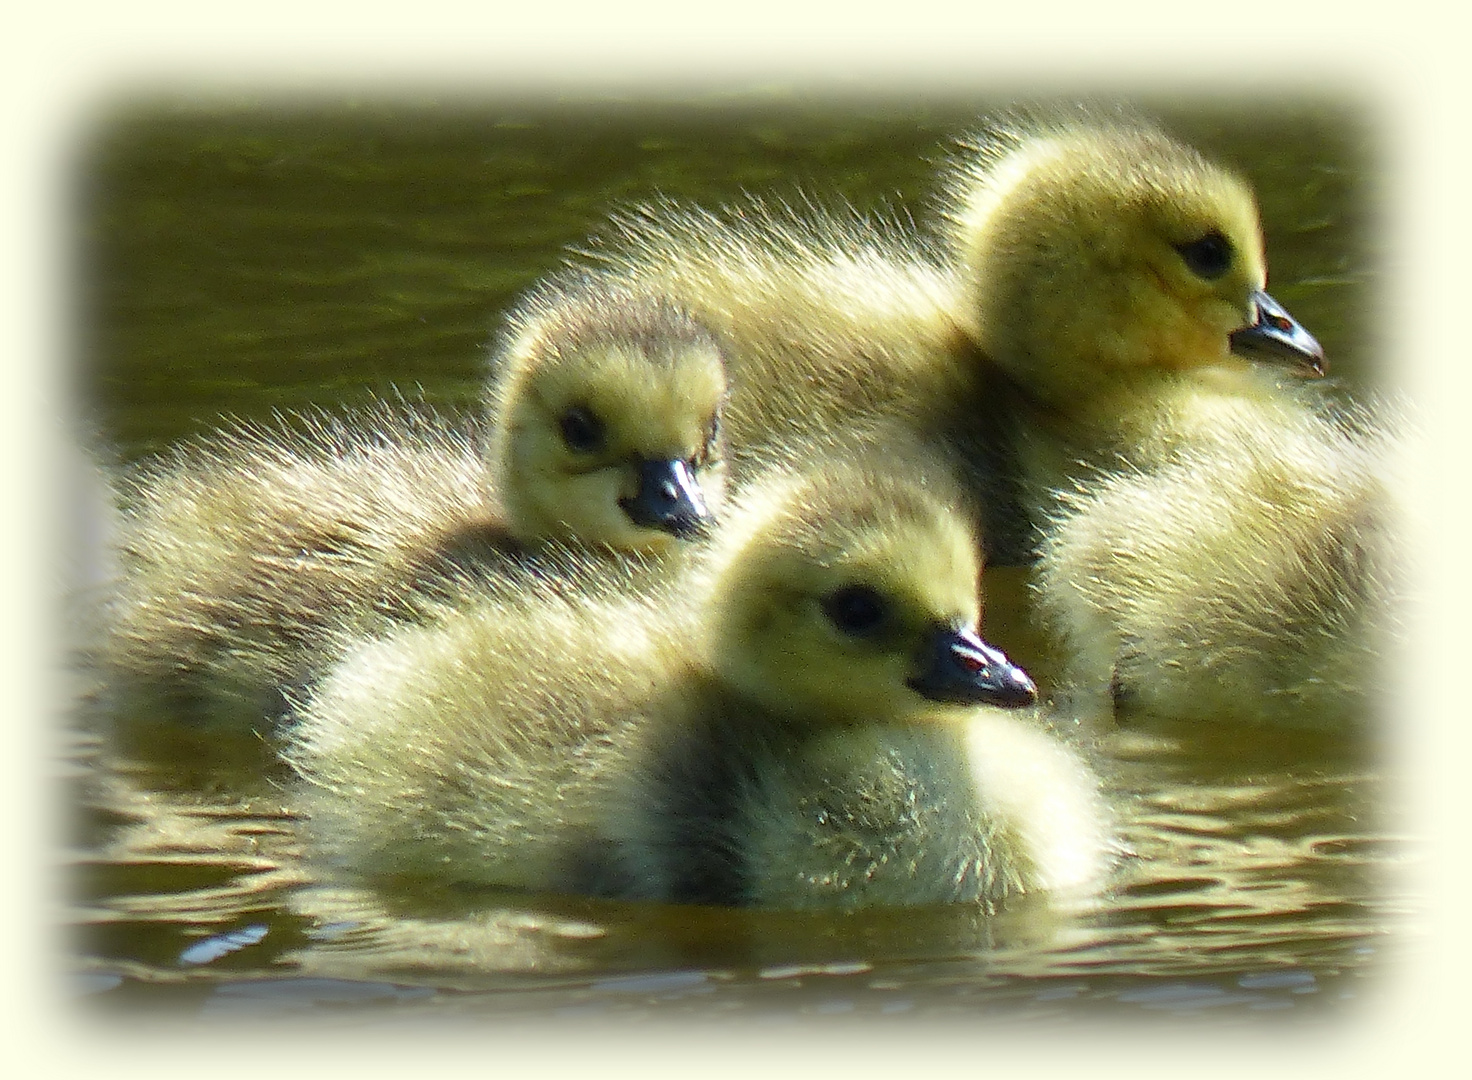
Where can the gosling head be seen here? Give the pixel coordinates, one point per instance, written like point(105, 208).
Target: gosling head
point(607, 421)
point(851, 595)
point(1096, 254)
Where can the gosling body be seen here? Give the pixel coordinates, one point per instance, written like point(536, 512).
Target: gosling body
point(1256, 581)
point(964, 806)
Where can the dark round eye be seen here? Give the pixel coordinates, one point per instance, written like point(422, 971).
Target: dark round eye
point(857, 610)
point(581, 429)
point(1208, 257)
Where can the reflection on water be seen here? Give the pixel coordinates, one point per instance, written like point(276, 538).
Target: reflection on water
point(240, 261)
point(1261, 888)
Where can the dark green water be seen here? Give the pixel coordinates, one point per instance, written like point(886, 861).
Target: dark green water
point(256, 256)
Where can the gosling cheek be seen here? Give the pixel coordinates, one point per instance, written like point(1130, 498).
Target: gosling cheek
point(587, 508)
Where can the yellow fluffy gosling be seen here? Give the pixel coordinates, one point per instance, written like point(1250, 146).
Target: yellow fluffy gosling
point(1221, 546)
point(792, 723)
point(240, 548)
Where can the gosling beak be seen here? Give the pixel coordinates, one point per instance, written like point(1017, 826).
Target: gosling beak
point(669, 498)
point(959, 668)
point(1276, 336)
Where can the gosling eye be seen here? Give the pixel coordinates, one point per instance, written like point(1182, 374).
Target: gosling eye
point(857, 610)
point(581, 429)
point(1208, 257)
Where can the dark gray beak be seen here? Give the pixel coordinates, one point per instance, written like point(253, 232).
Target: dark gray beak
point(959, 668)
point(1275, 336)
point(669, 498)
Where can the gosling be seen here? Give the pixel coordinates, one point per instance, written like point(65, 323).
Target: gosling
point(1215, 543)
point(242, 548)
point(805, 717)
